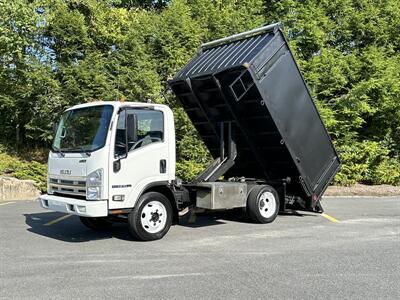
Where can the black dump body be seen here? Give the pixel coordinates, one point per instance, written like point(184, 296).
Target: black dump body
point(253, 81)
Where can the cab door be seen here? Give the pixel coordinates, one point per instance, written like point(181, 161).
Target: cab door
point(143, 159)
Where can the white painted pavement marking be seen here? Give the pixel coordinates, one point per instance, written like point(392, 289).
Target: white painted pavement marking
point(7, 203)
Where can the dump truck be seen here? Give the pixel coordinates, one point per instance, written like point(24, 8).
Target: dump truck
point(245, 95)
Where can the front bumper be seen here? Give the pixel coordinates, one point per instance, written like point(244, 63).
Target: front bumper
point(74, 206)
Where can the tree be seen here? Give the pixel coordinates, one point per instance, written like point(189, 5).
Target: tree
point(349, 52)
point(57, 53)
point(25, 86)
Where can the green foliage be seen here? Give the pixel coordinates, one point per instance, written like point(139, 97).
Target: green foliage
point(57, 53)
point(225, 17)
point(192, 155)
point(368, 162)
point(349, 53)
point(386, 172)
point(21, 169)
point(187, 169)
point(34, 171)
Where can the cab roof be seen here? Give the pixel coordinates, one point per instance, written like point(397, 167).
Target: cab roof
point(117, 104)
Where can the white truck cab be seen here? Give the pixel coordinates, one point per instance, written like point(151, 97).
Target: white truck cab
point(92, 172)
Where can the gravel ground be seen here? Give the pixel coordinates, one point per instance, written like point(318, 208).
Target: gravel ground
point(363, 190)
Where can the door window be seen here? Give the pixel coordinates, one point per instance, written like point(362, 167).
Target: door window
point(150, 129)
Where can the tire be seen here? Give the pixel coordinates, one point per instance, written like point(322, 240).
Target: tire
point(262, 204)
point(151, 217)
point(96, 223)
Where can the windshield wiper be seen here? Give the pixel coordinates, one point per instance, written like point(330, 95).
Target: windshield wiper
point(58, 150)
point(85, 151)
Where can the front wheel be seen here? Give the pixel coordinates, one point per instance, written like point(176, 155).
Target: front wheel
point(151, 218)
point(263, 204)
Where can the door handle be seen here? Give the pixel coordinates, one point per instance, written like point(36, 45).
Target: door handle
point(163, 166)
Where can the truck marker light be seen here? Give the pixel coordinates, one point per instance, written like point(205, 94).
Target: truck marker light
point(118, 197)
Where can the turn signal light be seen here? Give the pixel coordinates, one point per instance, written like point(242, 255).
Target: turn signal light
point(118, 198)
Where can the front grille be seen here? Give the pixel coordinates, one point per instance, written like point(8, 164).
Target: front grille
point(68, 187)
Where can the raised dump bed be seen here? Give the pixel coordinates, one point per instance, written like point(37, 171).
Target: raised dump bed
point(252, 81)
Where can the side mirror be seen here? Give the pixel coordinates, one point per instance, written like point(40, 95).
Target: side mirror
point(63, 132)
point(131, 128)
point(130, 137)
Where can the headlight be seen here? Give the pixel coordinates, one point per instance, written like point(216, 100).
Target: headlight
point(94, 185)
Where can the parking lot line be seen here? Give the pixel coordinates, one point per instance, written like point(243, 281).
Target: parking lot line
point(57, 220)
point(7, 203)
point(328, 217)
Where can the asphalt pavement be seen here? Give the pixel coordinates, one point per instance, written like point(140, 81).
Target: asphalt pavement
point(351, 252)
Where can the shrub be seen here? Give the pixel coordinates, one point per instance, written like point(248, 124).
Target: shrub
point(187, 169)
point(21, 169)
point(367, 162)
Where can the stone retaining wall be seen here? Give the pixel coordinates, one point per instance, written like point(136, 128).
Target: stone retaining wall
point(15, 189)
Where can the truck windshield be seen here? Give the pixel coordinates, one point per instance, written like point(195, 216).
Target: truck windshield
point(83, 129)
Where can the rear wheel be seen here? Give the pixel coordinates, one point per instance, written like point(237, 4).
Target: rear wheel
point(263, 204)
point(151, 218)
point(96, 223)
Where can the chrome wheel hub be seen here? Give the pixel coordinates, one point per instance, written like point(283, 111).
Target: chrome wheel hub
point(153, 217)
point(267, 204)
